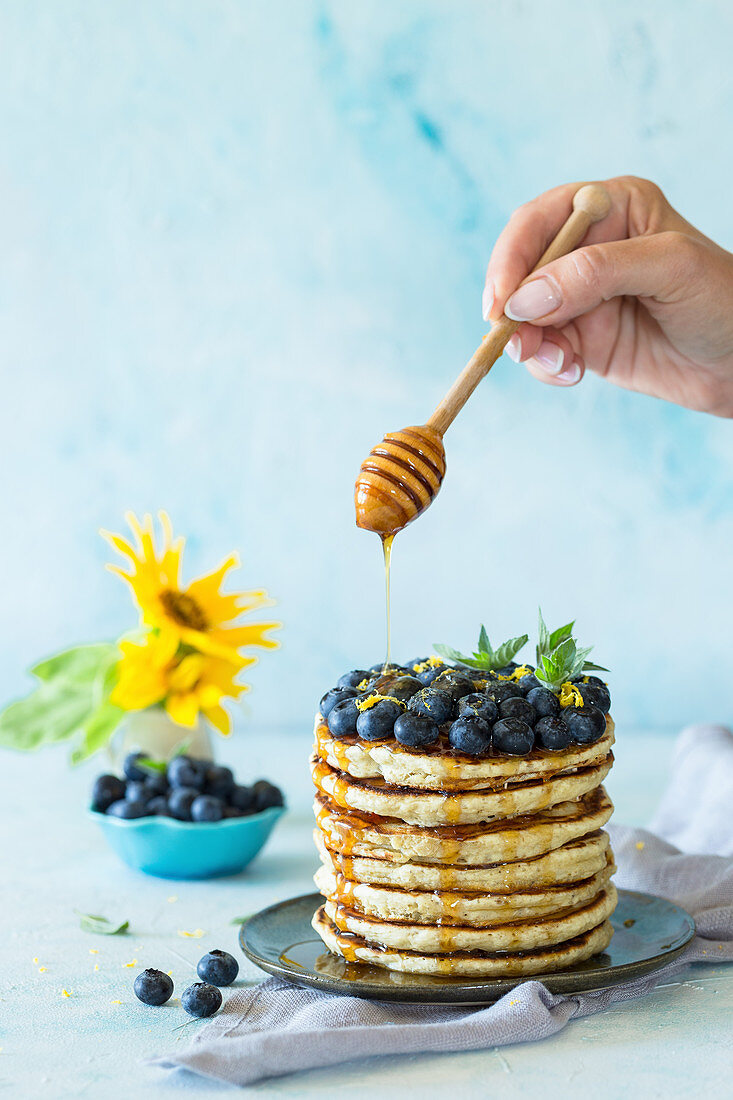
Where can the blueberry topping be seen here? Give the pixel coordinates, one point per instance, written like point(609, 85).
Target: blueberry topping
point(243, 799)
point(207, 808)
point(503, 689)
point(201, 999)
point(528, 683)
point(513, 737)
point(185, 772)
point(267, 795)
point(401, 687)
point(587, 724)
point(106, 790)
point(417, 661)
point(180, 801)
point(472, 735)
point(352, 679)
point(377, 722)
point(128, 810)
point(130, 766)
point(552, 733)
point(544, 702)
point(399, 670)
point(518, 708)
point(507, 670)
point(478, 704)
point(219, 781)
point(218, 968)
point(454, 682)
point(342, 718)
point(432, 703)
point(430, 674)
point(334, 696)
point(153, 987)
point(416, 730)
point(596, 696)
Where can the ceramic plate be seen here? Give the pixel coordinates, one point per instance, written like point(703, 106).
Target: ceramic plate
point(648, 933)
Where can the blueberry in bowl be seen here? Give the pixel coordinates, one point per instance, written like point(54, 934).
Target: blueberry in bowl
point(187, 820)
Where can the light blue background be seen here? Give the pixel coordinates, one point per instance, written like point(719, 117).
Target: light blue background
point(240, 241)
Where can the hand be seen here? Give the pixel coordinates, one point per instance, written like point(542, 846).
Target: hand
point(646, 303)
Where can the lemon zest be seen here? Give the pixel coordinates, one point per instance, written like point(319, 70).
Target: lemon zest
point(570, 696)
point(130, 964)
point(373, 699)
point(196, 935)
point(65, 993)
point(42, 969)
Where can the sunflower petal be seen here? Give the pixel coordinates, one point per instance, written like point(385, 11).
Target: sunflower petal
point(220, 719)
point(183, 709)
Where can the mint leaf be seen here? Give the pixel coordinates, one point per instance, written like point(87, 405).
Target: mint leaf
point(449, 653)
point(508, 651)
point(543, 637)
point(484, 644)
point(485, 657)
point(90, 922)
point(561, 634)
point(241, 920)
point(588, 666)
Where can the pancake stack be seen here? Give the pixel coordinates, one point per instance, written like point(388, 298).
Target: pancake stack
point(438, 863)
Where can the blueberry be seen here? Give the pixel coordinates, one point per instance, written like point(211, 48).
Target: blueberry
point(552, 733)
point(153, 987)
point(219, 781)
point(201, 999)
point(218, 968)
point(156, 783)
point(471, 734)
point(130, 767)
point(503, 689)
point(416, 730)
point(507, 670)
point(342, 718)
point(479, 705)
point(106, 790)
point(128, 810)
point(334, 696)
point(243, 799)
point(454, 682)
point(416, 661)
point(158, 806)
point(596, 696)
point(138, 791)
point(232, 811)
point(180, 801)
point(267, 795)
point(377, 722)
point(544, 702)
point(518, 708)
point(587, 724)
point(513, 737)
point(430, 674)
point(527, 683)
point(351, 679)
point(400, 670)
point(432, 703)
point(207, 808)
point(185, 772)
point(401, 687)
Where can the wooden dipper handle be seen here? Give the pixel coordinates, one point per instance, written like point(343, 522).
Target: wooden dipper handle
point(590, 204)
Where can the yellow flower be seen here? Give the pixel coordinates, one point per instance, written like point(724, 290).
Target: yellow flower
point(199, 615)
point(185, 683)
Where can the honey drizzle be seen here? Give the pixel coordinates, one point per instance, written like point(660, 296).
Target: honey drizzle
point(387, 541)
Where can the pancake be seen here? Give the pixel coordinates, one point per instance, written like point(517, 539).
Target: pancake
point(465, 964)
point(578, 859)
point(440, 768)
point(520, 837)
point(432, 807)
point(522, 935)
point(457, 908)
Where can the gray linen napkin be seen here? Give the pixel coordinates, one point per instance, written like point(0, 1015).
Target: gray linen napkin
point(278, 1028)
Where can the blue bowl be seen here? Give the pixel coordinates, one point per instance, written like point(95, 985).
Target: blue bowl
point(169, 848)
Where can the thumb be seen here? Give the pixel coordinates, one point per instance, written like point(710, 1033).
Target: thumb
point(662, 266)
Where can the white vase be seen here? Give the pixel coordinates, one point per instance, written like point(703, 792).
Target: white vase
point(152, 731)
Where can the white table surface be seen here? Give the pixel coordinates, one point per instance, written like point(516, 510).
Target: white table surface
point(676, 1042)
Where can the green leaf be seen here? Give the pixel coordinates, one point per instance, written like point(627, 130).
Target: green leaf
point(97, 731)
point(543, 637)
point(90, 922)
point(53, 712)
point(561, 634)
point(449, 653)
point(484, 644)
point(485, 657)
point(588, 666)
point(508, 651)
point(241, 920)
point(82, 664)
point(149, 765)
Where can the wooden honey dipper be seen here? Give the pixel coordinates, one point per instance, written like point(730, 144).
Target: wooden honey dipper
point(401, 476)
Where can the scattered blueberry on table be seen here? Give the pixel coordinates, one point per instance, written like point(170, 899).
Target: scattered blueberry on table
point(187, 789)
point(218, 968)
point(153, 987)
point(201, 999)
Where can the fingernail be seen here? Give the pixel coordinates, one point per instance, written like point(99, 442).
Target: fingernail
point(570, 375)
point(550, 357)
point(533, 300)
point(514, 348)
point(487, 301)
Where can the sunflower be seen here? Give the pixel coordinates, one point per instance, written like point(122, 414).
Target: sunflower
point(160, 671)
point(197, 615)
